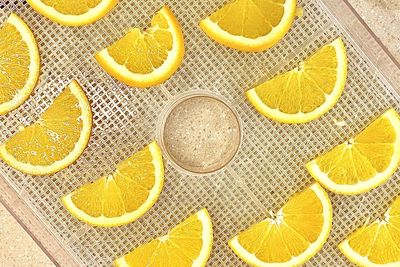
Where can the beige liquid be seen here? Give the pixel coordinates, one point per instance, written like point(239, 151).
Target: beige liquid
point(201, 134)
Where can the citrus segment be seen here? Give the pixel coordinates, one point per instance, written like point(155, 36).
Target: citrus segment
point(376, 244)
point(249, 25)
point(187, 244)
point(73, 12)
point(294, 234)
point(19, 63)
point(123, 196)
point(56, 139)
point(146, 58)
point(306, 92)
point(363, 162)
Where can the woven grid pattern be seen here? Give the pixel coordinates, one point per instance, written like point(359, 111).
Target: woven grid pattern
point(269, 166)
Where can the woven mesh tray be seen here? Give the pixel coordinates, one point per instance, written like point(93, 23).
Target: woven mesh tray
point(269, 166)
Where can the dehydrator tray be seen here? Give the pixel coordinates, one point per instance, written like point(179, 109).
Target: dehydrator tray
point(269, 165)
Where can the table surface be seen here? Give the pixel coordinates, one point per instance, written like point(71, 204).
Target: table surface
point(18, 249)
